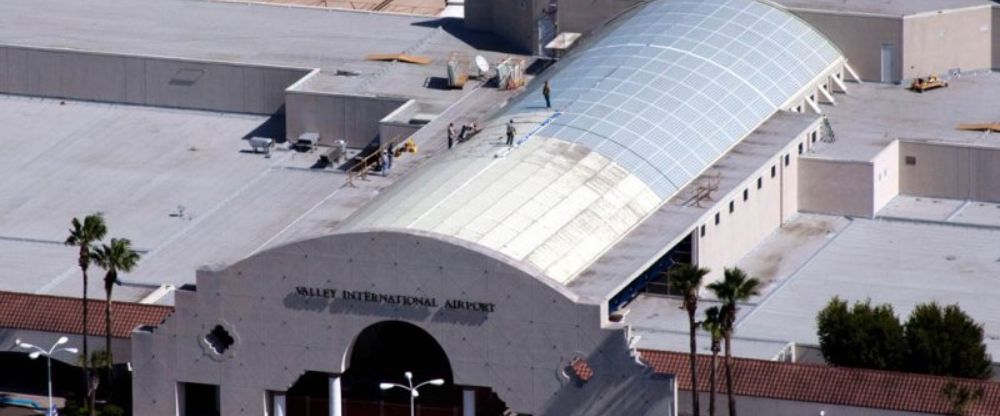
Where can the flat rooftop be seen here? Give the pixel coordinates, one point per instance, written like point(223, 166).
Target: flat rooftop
point(137, 165)
point(872, 115)
point(883, 7)
point(421, 7)
point(913, 254)
point(246, 33)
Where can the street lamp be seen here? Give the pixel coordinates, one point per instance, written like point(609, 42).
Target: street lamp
point(412, 389)
point(48, 358)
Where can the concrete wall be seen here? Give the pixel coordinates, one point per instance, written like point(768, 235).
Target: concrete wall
point(746, 405)
point(885, 175)
point(121, 348)
point(995, 26)
point(860, 38)
point(950, 171)
point(933, 43)
point(352, 118)
point(396, 126)
point(752, 220)
point(514, 20)
point(144, 80)
point(520, 349)
point(836, 187)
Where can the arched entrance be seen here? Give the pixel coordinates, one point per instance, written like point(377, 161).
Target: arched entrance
point(383, 353)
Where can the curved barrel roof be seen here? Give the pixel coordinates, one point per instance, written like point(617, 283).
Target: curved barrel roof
point(673, 87)
point(642, 111)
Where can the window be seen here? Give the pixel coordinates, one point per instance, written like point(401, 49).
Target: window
point(774, 170)
point(746, 194)
point(703, 230)
point(814, 135)
point(911, 160)
point(716, 218)
point(787, 159)
point(800, 148)
point(732, 206)
point(760, 182)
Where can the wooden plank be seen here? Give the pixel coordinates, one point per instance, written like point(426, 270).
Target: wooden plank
point(401, 57)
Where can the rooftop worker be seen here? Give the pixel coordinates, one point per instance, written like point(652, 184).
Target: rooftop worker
point(547, 92)
point(451, 135)
point(384, 162)
point(511, 131)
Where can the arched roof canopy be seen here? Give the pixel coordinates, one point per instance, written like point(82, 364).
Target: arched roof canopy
point(674, 85)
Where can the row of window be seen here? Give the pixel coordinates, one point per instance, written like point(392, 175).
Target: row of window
point(760, 183)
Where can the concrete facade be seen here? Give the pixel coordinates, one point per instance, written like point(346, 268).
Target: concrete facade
point(352, 118)
point(860, 38)
point(885, 176)
point(836, 187)
point(921, 44)
point(934, 43)
point(752, 219)
point(152, 81)
point(949, 171)
point(121, 348)
point(520, 349)
point(516, 21)
point(996, 37)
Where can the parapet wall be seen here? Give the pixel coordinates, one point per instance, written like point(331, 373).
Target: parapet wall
point(153, 81)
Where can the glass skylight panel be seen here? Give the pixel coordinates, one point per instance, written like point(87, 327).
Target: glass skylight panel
point(679, 82)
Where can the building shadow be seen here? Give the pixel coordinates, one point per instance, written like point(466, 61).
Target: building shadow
point(273, 128)
point(483, 41)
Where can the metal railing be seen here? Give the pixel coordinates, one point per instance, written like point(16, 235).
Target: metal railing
point(367, 163)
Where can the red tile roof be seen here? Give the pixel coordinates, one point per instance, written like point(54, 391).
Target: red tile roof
point(825, 384)
point(64, 314)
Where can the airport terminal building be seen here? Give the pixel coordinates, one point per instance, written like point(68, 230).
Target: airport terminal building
point(529, 278)
point(501, 270)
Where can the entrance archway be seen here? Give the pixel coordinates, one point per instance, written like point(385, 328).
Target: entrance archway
point(382, 353)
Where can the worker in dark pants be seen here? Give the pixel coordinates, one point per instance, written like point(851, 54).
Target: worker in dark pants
point(547, 92)
point(451, 135)
point(511, 131)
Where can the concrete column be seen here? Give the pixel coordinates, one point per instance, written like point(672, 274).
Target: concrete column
point(336, 407)
point(279, 404)
point(468, 402)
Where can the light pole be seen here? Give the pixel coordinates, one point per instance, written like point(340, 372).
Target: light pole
point(412, 389)
point(48, 358)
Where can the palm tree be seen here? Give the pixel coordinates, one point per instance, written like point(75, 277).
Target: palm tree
point(715, 326)
point(84, 235)
point(686, 279)
point(734, 288)
point(960, 397)
point(114, 257)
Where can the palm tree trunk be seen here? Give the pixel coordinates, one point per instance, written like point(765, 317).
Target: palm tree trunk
point(711, 380)
point(729, 377)
point(107, 339)
point(696, 408)
point(86, 357)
